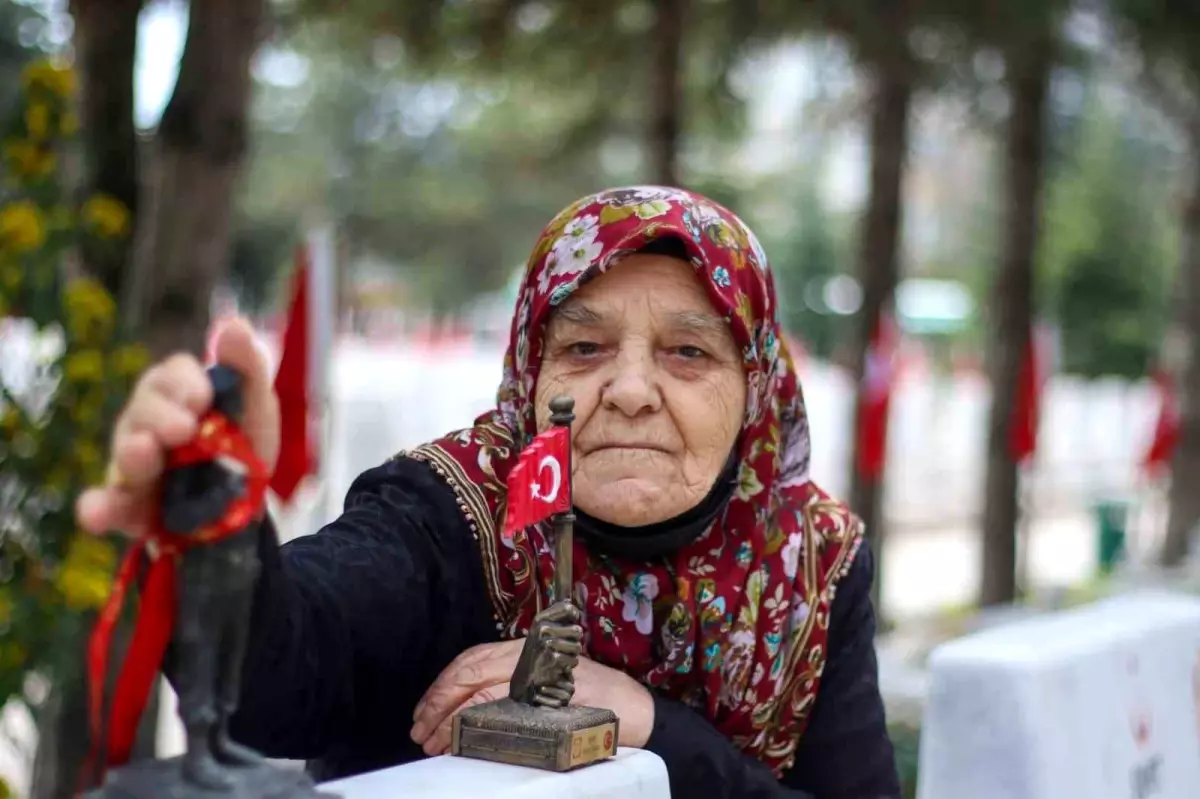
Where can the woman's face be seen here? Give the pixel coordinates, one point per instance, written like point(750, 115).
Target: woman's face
point(658, 387)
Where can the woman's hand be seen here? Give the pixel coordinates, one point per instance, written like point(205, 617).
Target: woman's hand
point(481, 675)
point(162, 413)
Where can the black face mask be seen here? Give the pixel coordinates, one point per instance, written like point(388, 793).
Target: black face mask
point(661, 538)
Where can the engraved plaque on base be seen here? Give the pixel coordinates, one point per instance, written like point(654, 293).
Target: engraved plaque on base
point(554, 739)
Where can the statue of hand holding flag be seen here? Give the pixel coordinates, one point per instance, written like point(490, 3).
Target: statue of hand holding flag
point(536, 725)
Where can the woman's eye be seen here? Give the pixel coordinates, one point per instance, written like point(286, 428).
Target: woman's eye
point(584, 348)
point(690, 352)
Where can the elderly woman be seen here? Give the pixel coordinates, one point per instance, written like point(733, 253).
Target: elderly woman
point(725, 597)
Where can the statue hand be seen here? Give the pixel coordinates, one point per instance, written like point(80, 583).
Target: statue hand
point(543, 674)
point(481, 675)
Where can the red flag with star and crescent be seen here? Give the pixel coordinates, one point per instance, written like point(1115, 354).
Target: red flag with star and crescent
point(540, 484)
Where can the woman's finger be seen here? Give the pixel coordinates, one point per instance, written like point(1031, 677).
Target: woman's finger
point(104, 509)
point(476, 669)
point(439, 742)
point(180, 378)
point(138, 460)
point(170, 422)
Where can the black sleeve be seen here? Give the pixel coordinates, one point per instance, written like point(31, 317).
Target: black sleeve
point(703, 762)
point(845, 750)
point(352, 624)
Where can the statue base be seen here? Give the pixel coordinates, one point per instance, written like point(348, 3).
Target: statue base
point(162, 779)
point(554, 739)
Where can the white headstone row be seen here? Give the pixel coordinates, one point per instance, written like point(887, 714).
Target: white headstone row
point(1101, 702)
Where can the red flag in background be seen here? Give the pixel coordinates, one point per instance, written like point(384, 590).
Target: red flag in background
point(292, 385)
point(1023, 434)
point(879, 377)
point(1166, 429)
point(540, 484)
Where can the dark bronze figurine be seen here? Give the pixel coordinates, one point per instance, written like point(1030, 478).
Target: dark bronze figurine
point(216, 592)
point(203, 662)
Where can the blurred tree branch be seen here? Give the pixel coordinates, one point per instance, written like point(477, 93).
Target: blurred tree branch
point(184, 236)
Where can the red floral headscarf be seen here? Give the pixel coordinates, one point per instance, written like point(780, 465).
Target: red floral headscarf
point(735, 623)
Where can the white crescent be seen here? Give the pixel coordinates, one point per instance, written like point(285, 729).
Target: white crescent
point(551, 463)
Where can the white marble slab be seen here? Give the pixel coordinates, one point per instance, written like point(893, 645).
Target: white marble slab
point(1102, 702)
point(632, 774)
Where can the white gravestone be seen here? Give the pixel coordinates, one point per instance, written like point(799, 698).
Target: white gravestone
point(1102, 702)
point(632, 774)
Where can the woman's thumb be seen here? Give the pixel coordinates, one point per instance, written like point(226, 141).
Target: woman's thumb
point(237, 347)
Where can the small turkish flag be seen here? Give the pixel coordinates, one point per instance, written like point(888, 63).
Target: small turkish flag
point(540, 484)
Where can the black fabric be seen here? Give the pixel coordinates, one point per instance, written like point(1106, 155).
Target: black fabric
point(662, 538)
point(350, 625)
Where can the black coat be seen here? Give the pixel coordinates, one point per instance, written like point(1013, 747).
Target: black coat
point(351, 625)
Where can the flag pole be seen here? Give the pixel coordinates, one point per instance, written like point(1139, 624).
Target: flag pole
point(562, 414)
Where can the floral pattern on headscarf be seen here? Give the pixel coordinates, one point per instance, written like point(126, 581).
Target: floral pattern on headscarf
point(735, 623)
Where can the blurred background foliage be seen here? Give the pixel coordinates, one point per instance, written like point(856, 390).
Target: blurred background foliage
point(57, 402)
point(437, 136)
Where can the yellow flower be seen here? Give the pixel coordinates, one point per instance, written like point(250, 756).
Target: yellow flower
point(85, 366)
point(10, 421)
point(10, 276)
point(37, 121)
point(106, 216)
point(130, 360)
point(54, 78)
point(85, 578)
point(22, 227)
point(28, 159)
point(90, 310)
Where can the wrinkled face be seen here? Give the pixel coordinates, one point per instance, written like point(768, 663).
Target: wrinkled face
point(658, 386)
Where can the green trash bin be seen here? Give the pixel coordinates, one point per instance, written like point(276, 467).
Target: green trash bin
point(1112, 519)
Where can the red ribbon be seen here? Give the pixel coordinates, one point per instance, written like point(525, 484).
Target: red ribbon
point(218, 437)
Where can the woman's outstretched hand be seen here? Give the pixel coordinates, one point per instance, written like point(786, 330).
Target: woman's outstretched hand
point(481, 675)
point(162, 413)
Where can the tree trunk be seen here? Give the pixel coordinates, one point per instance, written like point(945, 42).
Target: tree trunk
point(667, 96)
point(878, 264)
point(63, 734)
point(106, 47)
point(1029, 68)
point(1184, 499)
point(184, 241)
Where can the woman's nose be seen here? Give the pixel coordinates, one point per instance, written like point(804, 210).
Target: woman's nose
point(633, 389)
